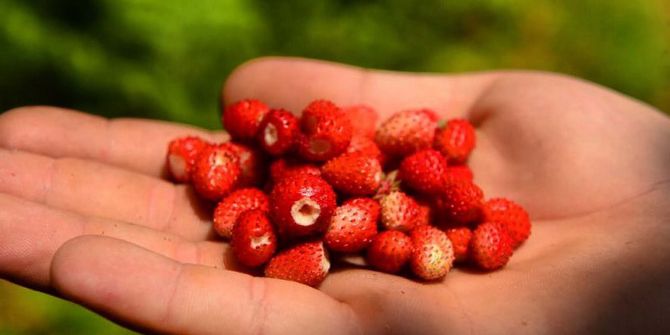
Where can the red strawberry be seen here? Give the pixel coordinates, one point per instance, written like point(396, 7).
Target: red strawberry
point(326, 131)
point(216, 172)
point(278, 132)
point(353, 174)
point(455, 141)
point(243, 118)
point(511, 216)
point(252, 164)
point(366, 146)
point(363, 119)
point(281, 168)
point(302, 205)
point(460, 200)
point(424, 215)
point(389, 251)
point(229, 209)
point(406, 132)
point(460, 237)
point(254, 240)
point(306, 263)
point(399, 211)
point(181, 156)
point(491, 246)
point(458, 172)
point(432, 255)
point(423, 171)
point(353, 225)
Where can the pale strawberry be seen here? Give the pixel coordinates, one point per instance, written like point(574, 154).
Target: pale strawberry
point(432, 254)
point(242, 119)
point(353, 174)
point(406, 132)
point(455, 141)
point(389, 251)
point(254, 240)
point(353, 225)
point(399, 211)
point(217, 172)
point(305, 263)
point(181, 157)
point(229, 209)
point(511, 216)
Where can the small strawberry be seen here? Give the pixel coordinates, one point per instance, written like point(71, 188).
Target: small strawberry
point(243, 118)
point(278, 132)
point(460, 201)
point(399, 211)
point(181, 156)
point(490, 246)
point(353, 174)
point(229, 209)
point(353, 225)
point(216, 172)
point(424, 215)
point(282, 167)
point(423, 171)
point(363, 119)
point(252, 164)
point(458, 172)
point(302, 205)
point(511, 216)
point(406, 132)
point(305, 263)
point(455, 141)
point(326, 131)
point(254, 240)
point(365, 146)
point(460, 237)
point(432, 255)
point(389, 251)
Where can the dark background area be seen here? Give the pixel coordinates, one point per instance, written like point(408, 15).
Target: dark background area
point(167, 60)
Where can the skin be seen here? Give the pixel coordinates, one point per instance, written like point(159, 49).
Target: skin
point(87, 215)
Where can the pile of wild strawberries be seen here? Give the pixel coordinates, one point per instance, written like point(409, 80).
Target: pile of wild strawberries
point(294, 192)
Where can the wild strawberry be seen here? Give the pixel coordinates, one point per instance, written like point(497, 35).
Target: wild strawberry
point(424, 215)
point(455, 141)
point(511, 216)
point(278, 132)
point(243, 118)
point(326, 131)
point(423, 171)
point(252, 164)
point(367, 147)
point(282, 167)
point(181, 157)
point(491, 246)
point(254, 240)
point(399, 211)
point(302, 205)
point(432, 254)
point(460, 237)
point(305, 263)
point(460, 200)
point(216, 172)
point(406, 132)
point(363, 119)
point(353, 174)
point(353, 225)
point(458, 172)
point(229, 209)
point(389, 251)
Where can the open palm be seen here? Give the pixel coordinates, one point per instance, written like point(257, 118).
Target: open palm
point(86, 214)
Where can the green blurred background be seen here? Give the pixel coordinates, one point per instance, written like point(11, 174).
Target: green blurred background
point(166, 60)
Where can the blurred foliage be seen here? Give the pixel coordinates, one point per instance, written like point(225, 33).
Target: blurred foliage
point(167, 59)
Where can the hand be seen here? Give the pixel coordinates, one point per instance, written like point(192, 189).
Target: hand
point(86, 215)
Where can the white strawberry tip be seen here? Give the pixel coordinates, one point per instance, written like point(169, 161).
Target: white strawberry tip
point(260, 241)
point(270, 134)
point(325, 263)
point(319, 146)
point(177, 166)
point(305, 212)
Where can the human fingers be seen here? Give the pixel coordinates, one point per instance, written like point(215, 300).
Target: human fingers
point(153, 293)
point(30, 234)
point(96, 189)
point(293, 82)
point(138, 145)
